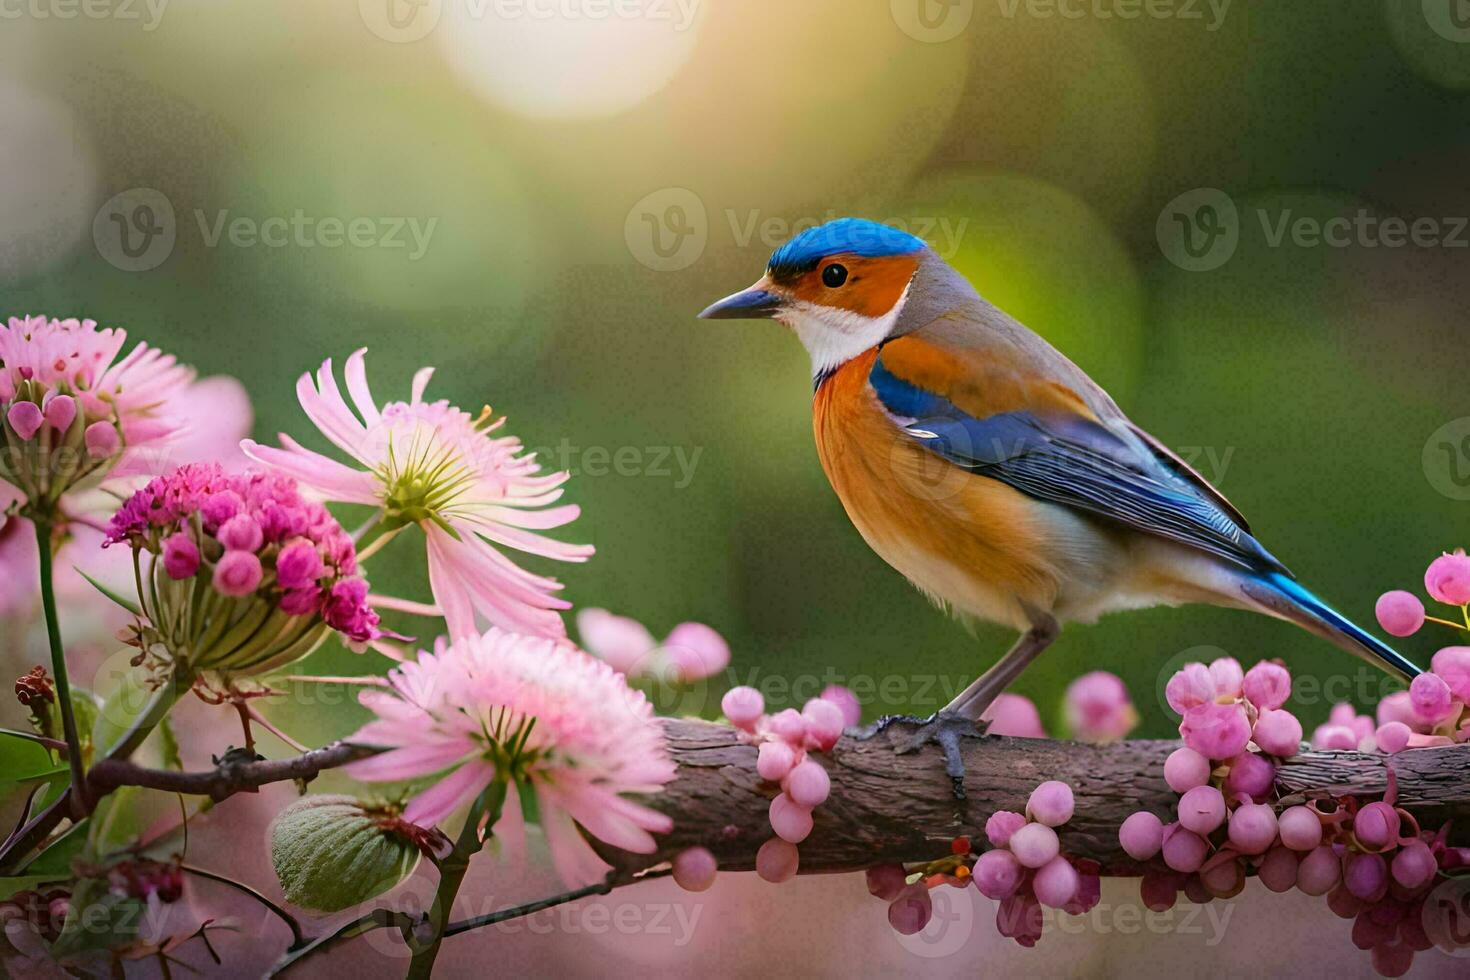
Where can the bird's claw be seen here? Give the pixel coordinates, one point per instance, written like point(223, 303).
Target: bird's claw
point(944, 729)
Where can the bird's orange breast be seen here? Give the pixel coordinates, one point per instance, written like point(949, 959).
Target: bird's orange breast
point(969, 541)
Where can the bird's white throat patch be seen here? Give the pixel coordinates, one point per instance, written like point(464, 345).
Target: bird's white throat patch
point(832, 336)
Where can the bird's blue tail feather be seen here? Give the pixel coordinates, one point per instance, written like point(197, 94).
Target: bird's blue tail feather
point(1335, 622)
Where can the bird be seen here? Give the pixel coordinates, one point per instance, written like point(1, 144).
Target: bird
point(996, 476)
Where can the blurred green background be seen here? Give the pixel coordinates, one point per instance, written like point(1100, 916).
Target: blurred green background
point(593, 182)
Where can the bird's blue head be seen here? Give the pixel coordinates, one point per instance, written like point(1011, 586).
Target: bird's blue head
point(839, 286)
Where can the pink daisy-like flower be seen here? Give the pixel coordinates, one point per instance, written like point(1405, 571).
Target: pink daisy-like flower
point(536, 712)
point(73, 412)
point(472, 492)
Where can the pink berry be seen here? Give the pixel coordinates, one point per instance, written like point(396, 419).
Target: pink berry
point(1202, 810)
point(1141, 835)
point(102, 440)
point(1376, 825)
point(1189, 687)
point(998, 874)
point(1278, 733)
point(1300, 828)
point(1319, 872)
point(1196, 892)
point(743, 706)
point(696, 651)
point(911, 910)
point(1277, 869)
point(885, 881)
point(1216, 731)
point(1431, 698)
point(1392, 959)
point(238, 573)
point(809, 784)
point(1184, 850)
point(824, 723)
point(1223, 880)
point(1089, 893)
point(1013, 715)
point(1098, 707)
point(789, 726)
point(1267, 685)
point(1227, 677)
point(777, 860)
point(1250, 775)
point(61, 411)
point(1185, 769)
point(1393, 737)
point(1398, 706)
point(1020, 918)
point(1452, 665)
point(1400, 613)
point(1344, 904)
point(26, 419)
point(1051, 803)
point(791, 821)
point(1035, 844)
point(1366, 876)
point(1055, 883)
point(1338, 737)
point(1253, 828)
point(1001, 825)
point(846, 701)
point(1448, 579)
point(1369, 932)
point(180, 556)
point(694, 869)
point(1414, 866)
point(1158, 891)
point(774, 760)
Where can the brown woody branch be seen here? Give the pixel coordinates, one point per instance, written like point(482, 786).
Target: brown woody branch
point(225, 779)
point(886, 807)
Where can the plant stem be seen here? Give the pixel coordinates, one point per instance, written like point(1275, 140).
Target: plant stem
point(451, 875)
point(58, 669)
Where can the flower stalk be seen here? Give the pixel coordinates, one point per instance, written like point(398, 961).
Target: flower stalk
point(58, 669)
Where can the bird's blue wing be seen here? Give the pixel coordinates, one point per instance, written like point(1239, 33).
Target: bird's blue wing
point(1076, 462)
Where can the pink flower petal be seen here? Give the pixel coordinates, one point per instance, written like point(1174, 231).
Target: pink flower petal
point(436, 803)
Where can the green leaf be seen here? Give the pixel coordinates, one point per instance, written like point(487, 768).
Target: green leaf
point(121, 600)
point(24, 883)
point(57, 858)
point(332, 852)
point(125, 705)
point(24, 761)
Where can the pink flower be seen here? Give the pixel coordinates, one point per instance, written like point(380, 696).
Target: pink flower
point(238, 573)
point(529, 709)
point(1448, 578)
point(1013, 715)
point(67, 373)
point(1400, 613)
point(1098, 708)
point(180, 555)
point(18, 564)
point(254, 522)
point(472, 493)
point(1216, 731)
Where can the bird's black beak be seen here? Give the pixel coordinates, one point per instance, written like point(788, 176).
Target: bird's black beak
point(755, 303)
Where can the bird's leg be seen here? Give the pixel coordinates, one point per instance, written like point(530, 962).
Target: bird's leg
point(961, 717)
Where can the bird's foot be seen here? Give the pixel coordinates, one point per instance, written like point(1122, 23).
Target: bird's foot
point(944, 729)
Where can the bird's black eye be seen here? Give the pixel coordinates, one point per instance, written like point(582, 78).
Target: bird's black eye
point(834, 275)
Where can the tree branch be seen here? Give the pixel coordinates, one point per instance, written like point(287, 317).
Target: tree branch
point(886, 807)
point(228, 777)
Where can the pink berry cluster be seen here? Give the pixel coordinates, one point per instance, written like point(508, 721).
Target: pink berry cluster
point(1024, 870)
point(255, 540)
point(1436, 702)
point(784, 742)
point(1371, 860)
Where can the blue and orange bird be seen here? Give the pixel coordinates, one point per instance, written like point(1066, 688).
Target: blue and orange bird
point(993, 473)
